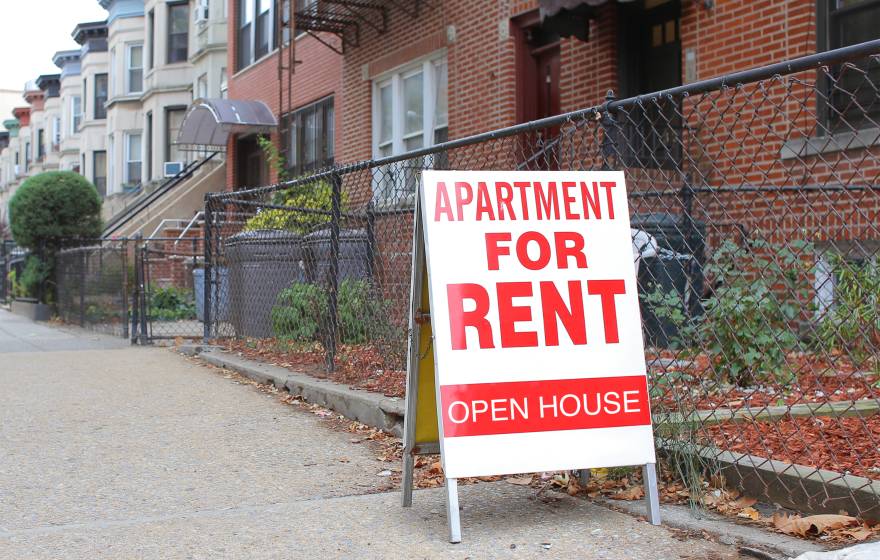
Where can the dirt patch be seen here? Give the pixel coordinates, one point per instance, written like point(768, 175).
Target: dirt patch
point(850, 445)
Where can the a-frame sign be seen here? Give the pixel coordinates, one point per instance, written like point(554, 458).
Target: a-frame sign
point(525, 347)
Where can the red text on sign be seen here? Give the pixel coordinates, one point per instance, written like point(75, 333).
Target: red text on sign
point(549, 303)
point(539, 406)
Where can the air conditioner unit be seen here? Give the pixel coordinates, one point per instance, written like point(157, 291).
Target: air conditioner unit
point(201, 13)
point(172, 168)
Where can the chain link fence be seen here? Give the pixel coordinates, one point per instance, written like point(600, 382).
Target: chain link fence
point(754, 204)
point(94, 284)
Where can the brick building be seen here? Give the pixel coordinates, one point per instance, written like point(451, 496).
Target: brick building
point(305, 102)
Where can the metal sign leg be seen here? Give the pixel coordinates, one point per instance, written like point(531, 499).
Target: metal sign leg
point(407, 482)
point(652, 498)
point(452, 510)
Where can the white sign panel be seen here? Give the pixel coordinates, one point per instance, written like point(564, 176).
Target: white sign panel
point(537, 334)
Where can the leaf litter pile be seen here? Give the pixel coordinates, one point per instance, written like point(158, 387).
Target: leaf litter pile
point(361, 366)
point(603, 484)
point(848, 445)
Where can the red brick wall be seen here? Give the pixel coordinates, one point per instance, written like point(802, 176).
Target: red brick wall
point(317, 76)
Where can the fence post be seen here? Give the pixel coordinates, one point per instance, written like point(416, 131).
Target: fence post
point(610, 128)
point(135, 293)
point(82, 288)
point(335, 218)
point(123, 258)
point(208, 240)
point(142, 293)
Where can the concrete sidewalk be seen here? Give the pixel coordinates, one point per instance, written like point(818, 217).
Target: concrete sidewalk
point(112, 451)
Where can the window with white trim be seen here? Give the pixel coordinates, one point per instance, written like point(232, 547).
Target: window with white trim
point(56, 133)
point(256, 31)
point(134, 68)
point(201, 90)
point(224, 84)
point(133, 158)
point(410, 111)
point(76, 113)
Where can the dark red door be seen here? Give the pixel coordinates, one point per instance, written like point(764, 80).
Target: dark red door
point(538, 70)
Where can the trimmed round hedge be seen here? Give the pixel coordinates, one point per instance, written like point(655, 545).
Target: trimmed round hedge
point(54, 209)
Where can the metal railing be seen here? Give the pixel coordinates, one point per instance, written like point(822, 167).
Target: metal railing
point(760, 305)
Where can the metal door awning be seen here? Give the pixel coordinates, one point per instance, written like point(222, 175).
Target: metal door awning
point(570, 18)
point(209, 122)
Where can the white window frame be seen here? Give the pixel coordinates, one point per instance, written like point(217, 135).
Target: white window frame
point(56, 133)
point(390, 187)
point(224, 82)
point(75, 117)
point(201, 79)
point(129, 68)
point(127, 157)
point(111, 164)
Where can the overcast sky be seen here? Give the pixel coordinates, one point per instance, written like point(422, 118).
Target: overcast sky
point(34, 30)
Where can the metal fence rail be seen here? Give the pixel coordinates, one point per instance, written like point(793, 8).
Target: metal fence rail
point(760, 284)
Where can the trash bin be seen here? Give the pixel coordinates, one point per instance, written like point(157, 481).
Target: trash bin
point(261, 264)
point(676, 265)
point(354, 255)
point(219, 295)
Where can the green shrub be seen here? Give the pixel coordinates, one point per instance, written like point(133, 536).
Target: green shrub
point(749, 323)
point(171, 304)
point(36, 276)
point(852, 324)
point(361, 315)
point(49, 212)
point(299, 311)
point(53, 209)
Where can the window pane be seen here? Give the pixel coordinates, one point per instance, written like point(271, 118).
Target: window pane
point(413, 143)
point(174, 120)
point(100, 95)
point(136, 57)
point(441, 109)
point(135, 80)
point(179, 18)
point(330, 133)
point(385, 114)
point(244, 46)
point(309, 135)
point(293, 144)
point(134, 147)
point(247, 11)
point(412, 103)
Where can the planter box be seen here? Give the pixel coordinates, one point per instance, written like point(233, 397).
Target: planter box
point(32, 309)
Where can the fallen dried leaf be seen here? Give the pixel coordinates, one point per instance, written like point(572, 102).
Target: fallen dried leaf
point(859, 533)
point(811, 525)
point(631, 493)
point(749, 513)
point(519, 480)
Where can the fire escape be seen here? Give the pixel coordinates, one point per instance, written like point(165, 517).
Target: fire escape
point(349, 20)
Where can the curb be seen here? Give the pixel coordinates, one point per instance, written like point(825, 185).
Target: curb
point(728, 532)
point(379, 411)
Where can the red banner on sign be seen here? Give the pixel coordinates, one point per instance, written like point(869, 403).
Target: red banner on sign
point(542, 406)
